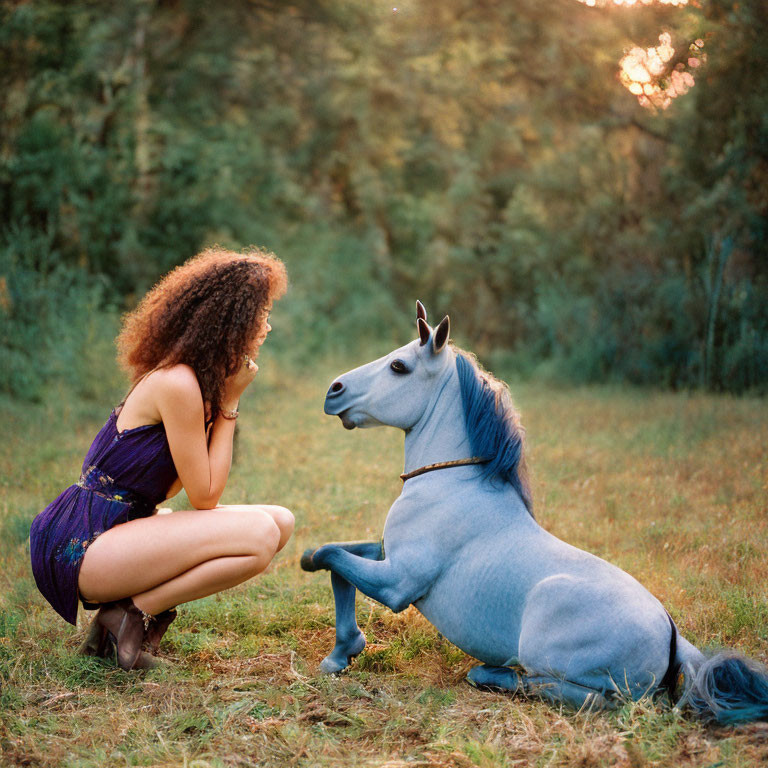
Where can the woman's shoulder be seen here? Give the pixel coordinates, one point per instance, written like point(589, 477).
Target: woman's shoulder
point(179, 379)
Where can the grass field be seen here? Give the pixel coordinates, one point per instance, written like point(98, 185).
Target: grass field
point(671, 487)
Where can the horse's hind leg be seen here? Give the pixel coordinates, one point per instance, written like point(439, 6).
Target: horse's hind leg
point(502, 678)
point(554, 690)
point(350, 641)
point(559, 691)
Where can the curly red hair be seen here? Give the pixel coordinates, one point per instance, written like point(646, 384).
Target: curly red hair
point(205, 313)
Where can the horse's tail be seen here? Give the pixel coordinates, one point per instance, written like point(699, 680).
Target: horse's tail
point(725, 686)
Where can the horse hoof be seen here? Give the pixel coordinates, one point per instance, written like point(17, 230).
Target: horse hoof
point(340, 658)
point(306, 561)
point(356, 647)
point(331, 666)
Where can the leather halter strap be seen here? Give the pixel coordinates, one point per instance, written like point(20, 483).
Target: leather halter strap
point(442, 465)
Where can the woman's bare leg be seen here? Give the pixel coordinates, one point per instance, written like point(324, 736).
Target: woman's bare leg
point(214, 575)
point(148, 554)
point(283, 519)
point(202, 580)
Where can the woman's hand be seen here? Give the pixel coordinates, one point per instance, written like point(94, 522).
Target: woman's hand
point(236, 384)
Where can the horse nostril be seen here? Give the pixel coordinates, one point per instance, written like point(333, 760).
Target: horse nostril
point(336, 387)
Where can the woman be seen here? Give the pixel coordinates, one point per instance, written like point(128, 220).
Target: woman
point(189, 349)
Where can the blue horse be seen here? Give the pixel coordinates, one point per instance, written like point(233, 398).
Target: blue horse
point(461, 544)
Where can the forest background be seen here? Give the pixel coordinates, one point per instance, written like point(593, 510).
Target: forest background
point(490, 158)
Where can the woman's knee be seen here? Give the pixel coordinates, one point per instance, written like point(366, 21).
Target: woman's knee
point(264, 535)
point(265, 527)
point(284, 520)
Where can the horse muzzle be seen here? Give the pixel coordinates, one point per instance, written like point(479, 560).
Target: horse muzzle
point(335, 400)
point(349, 407)
point(346, 420)
point(336, 405)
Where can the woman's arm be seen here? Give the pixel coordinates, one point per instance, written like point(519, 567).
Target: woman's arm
point(202, 463)
point(174, 489)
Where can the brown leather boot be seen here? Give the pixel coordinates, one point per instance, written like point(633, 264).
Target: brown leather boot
point(125, 626)
point(93, 643)
point(98, 643)
point(157, 628)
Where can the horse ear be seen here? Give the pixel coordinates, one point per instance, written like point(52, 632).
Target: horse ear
point(420, 311)
point(424, 330)
point(440, 338)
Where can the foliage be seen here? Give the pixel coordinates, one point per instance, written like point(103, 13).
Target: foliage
point(54, 321)
point(484, 157)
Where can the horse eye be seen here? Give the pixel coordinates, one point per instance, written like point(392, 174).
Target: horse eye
point(398, 366)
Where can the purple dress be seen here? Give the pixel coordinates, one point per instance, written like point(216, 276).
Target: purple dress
point(125, 475)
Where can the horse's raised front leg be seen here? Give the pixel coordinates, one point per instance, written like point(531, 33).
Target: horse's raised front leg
point(392, 585)
point(350, 640)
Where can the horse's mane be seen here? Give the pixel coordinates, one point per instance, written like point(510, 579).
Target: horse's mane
point(493, 425)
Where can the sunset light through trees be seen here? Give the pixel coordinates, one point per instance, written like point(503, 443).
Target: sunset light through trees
point(656, 75)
